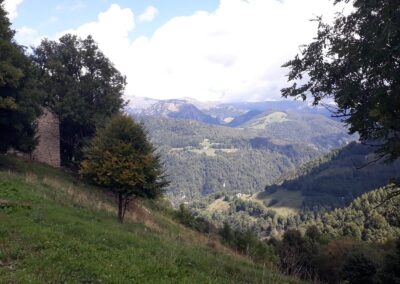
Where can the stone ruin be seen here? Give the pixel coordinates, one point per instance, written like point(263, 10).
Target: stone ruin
point(48, 149)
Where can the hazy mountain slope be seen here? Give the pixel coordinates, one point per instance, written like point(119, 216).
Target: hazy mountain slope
point(239, 120)
point(178, 109)
point(283, 105)
point(291, 127)
point(217, 112)
point(344, 176)
point(138, 104)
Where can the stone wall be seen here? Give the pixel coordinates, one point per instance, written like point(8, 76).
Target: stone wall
point(48, 148)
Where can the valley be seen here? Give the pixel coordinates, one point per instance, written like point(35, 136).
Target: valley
point(200, 142)
point(261, 168)
point(312, 194)
point(253, 150)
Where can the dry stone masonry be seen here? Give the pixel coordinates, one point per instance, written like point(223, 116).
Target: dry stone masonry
point(48, 148)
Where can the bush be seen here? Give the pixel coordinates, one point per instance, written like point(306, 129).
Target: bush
point(185, 217)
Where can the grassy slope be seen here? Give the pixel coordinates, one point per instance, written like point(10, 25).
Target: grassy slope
point(55, 229)
point(287, 202)
point(265, 120)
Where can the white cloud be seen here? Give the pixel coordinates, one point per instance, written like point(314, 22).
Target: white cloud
point(53, 19)
point(149, 14)
point(26, 36)
point(11, 7)
point(30, 37)
point(233, 53)
point(111, 32)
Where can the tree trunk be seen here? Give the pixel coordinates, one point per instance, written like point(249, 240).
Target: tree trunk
point(120, 208)
point(126, 201)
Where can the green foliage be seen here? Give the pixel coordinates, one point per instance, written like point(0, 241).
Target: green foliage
point(335, 180)
point(20, 98)
point(319, 259)
point(324, 201)
point(184, 216)
point(227, 233)
point(370, 217)
point(121, 160)
point(355, 63)
point(296, 255)
point(247, 243)
point(257, 157)
point(359, 269)
point(390, 272)
point(84, 89)
point(254, 209)
point(6, 33)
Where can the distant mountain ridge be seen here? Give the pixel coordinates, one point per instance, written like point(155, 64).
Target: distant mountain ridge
point(179, 109)
point(217, 113)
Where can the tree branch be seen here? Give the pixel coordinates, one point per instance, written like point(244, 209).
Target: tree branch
point(369, 163)
point(391, 195)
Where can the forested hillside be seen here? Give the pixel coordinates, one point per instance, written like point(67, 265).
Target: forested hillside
point(201, 159)
point(373, 217)
point(338, 178)
point(304, 196)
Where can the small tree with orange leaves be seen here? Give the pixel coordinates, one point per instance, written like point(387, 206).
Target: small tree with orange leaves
point(122, 160)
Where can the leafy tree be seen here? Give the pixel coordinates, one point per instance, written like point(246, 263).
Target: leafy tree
point(358, 269)
point(291, 254)
point(227, 233)
point(356, 62)
point(247, 243)
point(198, 223)
point(121, 159)
point(390, 272)
point(314, 234)
point(19, 95)
point(84, 89)
point(351, 229)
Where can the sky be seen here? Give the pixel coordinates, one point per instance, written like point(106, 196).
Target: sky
point(225, 50)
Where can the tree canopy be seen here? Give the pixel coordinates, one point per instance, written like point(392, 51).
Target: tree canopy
point(121, 159)
point(356, 62)
point(20, 99)
point(84, 89)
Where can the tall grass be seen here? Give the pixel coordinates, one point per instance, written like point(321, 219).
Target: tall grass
point(55, 229)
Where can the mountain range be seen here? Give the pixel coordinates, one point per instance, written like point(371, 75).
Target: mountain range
point(216, 113)
point(236, 147)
